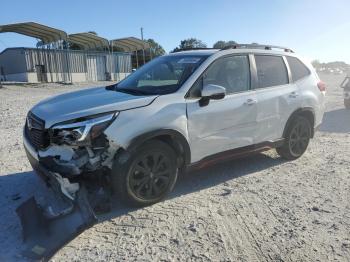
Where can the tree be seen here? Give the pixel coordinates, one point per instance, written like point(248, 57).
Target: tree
point(190, 43)
point(156, 49)
point(221, 44)
point(316, 63)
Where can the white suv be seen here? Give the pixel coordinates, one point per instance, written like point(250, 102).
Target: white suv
point(183, 110)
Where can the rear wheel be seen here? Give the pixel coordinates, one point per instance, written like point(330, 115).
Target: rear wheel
point(296, 139)
point(148, 175)
point(347, 103)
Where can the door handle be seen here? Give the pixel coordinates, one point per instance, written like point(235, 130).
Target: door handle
point(250, 102)
point(293, 94)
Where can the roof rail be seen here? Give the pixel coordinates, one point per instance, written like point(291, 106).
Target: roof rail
point(257, 46)
point(193, 48)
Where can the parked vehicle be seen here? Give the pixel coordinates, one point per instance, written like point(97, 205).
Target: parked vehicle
point(346, 86)
point(183, 110)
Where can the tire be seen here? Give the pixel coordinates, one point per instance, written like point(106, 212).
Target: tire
point(147, 176)
point(297, 139)
point(347, 103)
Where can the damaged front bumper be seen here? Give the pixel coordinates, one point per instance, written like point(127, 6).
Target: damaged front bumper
point(46, 230)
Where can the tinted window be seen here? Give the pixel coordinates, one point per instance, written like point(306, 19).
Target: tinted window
point(297, 68)
point(271, 71)
point(230, 72)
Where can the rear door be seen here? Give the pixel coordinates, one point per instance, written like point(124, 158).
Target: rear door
point(227, 123)
point(276, 95)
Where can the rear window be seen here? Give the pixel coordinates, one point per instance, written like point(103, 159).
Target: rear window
point(271, 71)
point(297, 68)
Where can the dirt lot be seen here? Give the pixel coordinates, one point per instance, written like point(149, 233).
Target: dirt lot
point(257, 208)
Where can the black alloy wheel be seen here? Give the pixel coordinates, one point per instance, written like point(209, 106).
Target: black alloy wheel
point(148, 175)
point(297, 139)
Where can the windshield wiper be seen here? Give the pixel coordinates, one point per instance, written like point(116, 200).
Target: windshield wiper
point(134, 91)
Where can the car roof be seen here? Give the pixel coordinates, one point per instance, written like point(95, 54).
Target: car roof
point(203, 52)
point(239, 48)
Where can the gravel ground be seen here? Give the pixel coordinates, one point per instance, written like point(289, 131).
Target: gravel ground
point(256, 208)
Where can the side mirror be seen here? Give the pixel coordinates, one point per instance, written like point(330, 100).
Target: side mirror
point(211, 91)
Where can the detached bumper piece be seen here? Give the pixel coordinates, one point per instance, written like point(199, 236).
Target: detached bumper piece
point(44, 233)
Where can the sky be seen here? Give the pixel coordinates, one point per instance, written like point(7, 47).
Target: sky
point(316, 29)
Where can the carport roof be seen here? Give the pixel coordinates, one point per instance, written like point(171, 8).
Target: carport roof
point(45, 33)
point(88, 40)
point(130, 44)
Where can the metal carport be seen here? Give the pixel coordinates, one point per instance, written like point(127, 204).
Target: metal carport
point(88, 41)
point(48, 36)
point(45, 33)
point(131, 44)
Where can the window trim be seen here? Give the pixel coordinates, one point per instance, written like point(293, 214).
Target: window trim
point(291, 74)
point(256, 71)
point(251, 76)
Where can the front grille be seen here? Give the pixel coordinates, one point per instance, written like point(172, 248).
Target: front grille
point(35, 132)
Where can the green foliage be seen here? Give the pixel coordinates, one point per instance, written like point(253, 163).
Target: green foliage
point(190, 43)
point(316, 63)
point(156, 49)
point(221, 44)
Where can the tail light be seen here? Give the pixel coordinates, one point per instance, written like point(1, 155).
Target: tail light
point(322, 86)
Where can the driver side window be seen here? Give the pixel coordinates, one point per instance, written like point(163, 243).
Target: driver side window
point(230, 72)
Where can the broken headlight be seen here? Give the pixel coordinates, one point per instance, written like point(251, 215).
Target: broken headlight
point(83, 129)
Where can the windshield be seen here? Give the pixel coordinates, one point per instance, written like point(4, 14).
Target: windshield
point(163, 75)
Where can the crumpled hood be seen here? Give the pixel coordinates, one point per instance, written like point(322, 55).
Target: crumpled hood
point(86, 102)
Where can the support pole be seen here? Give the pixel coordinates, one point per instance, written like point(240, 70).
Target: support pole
point(137, 59)
point(143, 54)
point(111, 58)
point(150, 53)
point(143, 50)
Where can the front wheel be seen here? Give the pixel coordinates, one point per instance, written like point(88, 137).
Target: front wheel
point(296, 139)
point(148, 175)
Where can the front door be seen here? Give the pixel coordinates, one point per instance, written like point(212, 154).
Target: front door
point(227, 123)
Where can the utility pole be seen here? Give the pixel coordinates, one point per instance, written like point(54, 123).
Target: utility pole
point(142, 33)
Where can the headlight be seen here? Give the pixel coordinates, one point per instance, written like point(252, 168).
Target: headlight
point(82, 129)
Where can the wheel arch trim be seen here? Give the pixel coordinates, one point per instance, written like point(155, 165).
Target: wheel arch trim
point(178, 138)
point(299, 112)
